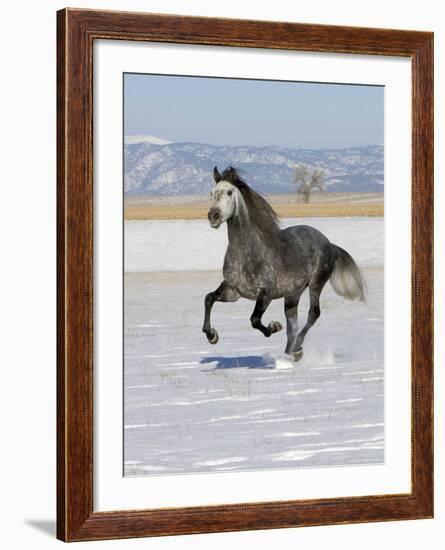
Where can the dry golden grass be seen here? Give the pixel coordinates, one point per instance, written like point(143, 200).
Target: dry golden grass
point(372, 206)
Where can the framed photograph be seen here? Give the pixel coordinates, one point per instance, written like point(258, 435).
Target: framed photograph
point(245, 263)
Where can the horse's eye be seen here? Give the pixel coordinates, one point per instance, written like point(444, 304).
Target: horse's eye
point(229, 192)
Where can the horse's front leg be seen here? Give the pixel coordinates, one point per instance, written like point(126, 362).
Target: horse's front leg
point(224, 293)
point(262, 303)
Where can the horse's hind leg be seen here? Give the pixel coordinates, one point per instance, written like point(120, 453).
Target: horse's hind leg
point(262, 303)
point(313, 315)
point(291, 312)
point(224, 293)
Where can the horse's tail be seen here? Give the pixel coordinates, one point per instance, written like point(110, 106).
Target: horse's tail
point(346, 278)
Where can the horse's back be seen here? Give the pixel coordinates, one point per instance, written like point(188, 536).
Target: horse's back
point(304, 236)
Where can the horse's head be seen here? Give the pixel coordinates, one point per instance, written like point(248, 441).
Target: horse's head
point(224, 200)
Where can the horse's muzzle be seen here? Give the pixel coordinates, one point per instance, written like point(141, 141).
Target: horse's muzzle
point(215, 217)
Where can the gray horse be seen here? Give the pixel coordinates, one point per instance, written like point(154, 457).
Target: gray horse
point(264, 263)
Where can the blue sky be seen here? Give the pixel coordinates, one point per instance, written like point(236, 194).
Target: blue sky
point(222, 111)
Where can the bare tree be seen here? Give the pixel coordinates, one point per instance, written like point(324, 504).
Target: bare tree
point(309, 180)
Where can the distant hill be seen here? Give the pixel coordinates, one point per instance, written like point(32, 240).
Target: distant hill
point(156, 168)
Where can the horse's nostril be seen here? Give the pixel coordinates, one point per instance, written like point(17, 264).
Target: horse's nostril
point(214, 215)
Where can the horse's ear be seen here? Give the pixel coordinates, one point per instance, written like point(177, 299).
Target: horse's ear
point(216, 175)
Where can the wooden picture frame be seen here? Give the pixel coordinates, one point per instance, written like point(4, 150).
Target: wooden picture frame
point(76, 32)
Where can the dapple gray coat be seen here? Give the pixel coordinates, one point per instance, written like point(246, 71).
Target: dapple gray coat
point(264, 263)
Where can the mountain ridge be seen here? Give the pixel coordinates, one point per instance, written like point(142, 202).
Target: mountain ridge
point(182, 168)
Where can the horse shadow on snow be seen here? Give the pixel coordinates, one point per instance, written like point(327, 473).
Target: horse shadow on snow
point(246, 362)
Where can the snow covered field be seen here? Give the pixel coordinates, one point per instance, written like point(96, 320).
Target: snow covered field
point(191, 407)
point(192, 245)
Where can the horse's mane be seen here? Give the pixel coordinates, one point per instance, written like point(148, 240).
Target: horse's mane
point(261, 214)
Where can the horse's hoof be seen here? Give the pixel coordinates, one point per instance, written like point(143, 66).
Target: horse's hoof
point(297, 355)
point(275, 326)
point(212, 337)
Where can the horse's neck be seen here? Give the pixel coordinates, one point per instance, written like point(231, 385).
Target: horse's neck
point(243, 236)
